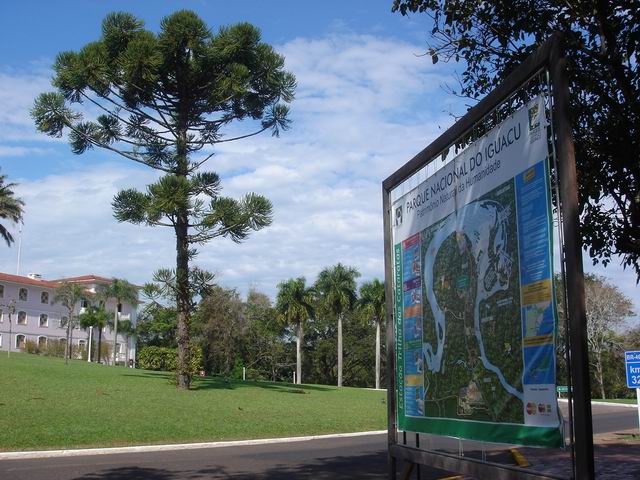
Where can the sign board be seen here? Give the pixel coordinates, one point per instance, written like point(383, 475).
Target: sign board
point(632, 367)
point(474, 298)
point(562, 389)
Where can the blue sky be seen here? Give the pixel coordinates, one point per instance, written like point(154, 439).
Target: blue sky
point(367, 101)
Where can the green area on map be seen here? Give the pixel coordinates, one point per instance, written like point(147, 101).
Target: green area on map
point(472, 330)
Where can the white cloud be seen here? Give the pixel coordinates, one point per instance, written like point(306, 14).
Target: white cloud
point(17, 93)
point(364, 106)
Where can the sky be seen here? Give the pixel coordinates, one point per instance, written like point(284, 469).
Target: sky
point(368, 100)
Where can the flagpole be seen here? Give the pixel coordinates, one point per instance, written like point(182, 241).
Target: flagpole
point(19, 248)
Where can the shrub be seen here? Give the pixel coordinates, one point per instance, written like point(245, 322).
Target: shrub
point(105, 352)
point(165, 359)
point(80, 353)
point(31, 346)
point(54, 348)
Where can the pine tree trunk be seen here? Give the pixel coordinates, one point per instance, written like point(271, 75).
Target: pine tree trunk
point(340, 350)
point(115, 334)
point(183, 294)
point(183, 376)
point(378, 354)
point(299, 354)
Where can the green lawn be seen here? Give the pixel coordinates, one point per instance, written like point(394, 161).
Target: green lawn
point(45, 404)
point(616, 400)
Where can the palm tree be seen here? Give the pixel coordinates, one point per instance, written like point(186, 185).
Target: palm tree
point(95, 316)
point(294, 305)
point(121, 291)
point(128, 329)
point(372, 307)
point(68, 295)
point(337, 289)
point(10, 208)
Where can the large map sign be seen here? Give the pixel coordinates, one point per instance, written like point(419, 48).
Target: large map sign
point(475, 309)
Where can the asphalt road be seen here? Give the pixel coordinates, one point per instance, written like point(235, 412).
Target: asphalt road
point(343, 458)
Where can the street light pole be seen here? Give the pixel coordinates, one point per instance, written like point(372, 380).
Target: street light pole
point(89, 347)
point(12, 308)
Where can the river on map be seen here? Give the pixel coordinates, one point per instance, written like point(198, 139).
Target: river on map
point(484, 223)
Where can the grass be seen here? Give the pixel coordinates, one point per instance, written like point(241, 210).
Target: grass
point(45, 404)
point(616, 400)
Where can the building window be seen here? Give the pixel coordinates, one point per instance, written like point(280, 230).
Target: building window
point(63, 322)
point(23, 295)
point(44, 320)
point(22, 318)
point(20, 341)
point(1, 291)
point(1, 316)
point(0, 340)
point(44, 297)
point(82, 344)
point(42, 342)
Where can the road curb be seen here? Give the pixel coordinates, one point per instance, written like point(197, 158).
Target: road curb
point(608, 404)
point(79, 452)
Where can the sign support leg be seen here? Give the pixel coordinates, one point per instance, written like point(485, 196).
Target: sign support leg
point(638, 402)
point(582, 425)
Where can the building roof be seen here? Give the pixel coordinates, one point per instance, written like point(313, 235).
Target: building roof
point(7, 277)
point(84, 279)
point(39, 282)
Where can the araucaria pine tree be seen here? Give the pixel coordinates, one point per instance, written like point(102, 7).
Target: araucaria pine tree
point(164, 100)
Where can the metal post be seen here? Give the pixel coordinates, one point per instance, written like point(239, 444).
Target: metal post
point(583, 428)
point(19, 249)
point(90, 344)
point(12, 310)
point(418, 465)
point(392, 431)
point(638, 402)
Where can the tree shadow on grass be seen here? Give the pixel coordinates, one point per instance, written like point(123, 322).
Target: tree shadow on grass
point(205, 383)
point(158, 375)
point(219, 383)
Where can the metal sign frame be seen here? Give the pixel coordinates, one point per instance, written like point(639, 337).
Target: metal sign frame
point(549, 56)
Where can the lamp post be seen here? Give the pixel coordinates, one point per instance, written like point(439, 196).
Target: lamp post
point(90, 343)
point(11, 308)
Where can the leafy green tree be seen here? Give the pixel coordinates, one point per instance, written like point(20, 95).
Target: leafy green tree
point(121, 291)
point(68, 295)
point(490, 39)
point(632, 338)
point(10, 208)
point(217, 325)
point(95, 316)
point(165, 99)
point(294, 304)
point(264, 350)
point(607, 309)
point(127, 330)
point(156, 326)
point(336, 287)
point(372, 307)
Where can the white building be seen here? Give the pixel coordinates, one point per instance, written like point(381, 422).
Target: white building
point(37, 318)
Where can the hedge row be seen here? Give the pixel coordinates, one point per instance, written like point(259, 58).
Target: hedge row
point(165, 359)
